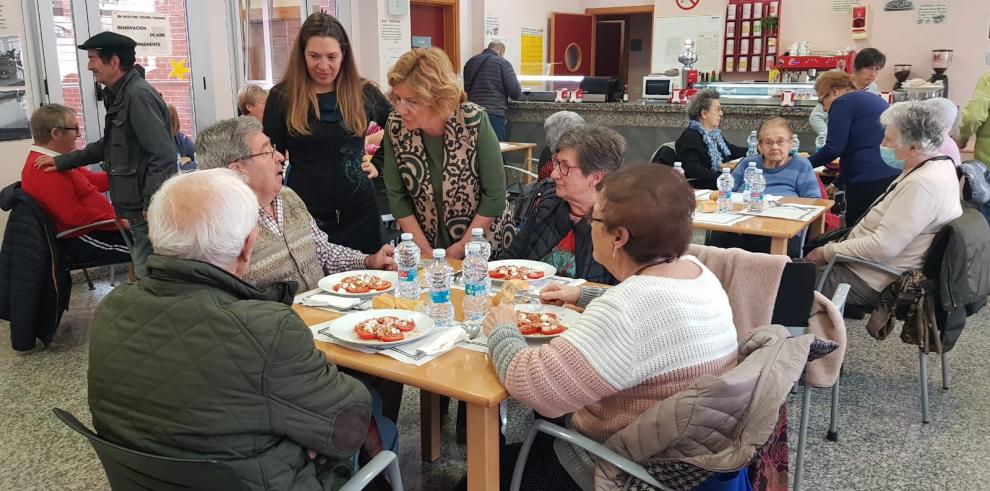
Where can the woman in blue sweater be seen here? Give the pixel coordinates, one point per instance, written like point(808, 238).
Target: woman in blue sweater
point(785, 176)
point(854, 135)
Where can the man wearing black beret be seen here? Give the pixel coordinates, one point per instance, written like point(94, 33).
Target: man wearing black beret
point(137, 149)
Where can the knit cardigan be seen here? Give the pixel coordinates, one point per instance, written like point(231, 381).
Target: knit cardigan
point(638, 343)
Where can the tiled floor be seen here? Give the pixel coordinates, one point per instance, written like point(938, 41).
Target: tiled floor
point(882, 445)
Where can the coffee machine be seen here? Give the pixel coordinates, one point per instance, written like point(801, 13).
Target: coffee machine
point(901, 73)
point(941, 59)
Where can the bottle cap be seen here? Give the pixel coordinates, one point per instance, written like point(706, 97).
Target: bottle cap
point(752, 164)
point(477, 232)
point(406, 236)
point(678, 164)
point(725, 170)
point(439, 253)
point(473, 247)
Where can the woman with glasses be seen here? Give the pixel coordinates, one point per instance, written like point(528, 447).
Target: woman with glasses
point(785, 176)
point(854, 136)
point(701, 148)
point(318, 113)
point(665, 324)
point(559, 232)
point(443, 165)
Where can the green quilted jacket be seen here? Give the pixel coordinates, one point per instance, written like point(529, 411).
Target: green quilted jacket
point(192, 362)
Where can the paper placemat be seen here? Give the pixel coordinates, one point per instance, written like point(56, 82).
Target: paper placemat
point(717, 218)
point(406, 353)
point(797, 213)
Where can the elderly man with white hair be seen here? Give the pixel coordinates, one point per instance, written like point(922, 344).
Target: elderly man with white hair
point(899, 227)
point(192, 362)
point(290, 247)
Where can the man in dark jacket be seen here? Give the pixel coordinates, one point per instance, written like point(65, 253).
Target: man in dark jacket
point(490, 81)
point(192, 362)
point(137, 149)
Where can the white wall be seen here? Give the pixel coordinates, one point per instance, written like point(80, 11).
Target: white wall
point(534, 14)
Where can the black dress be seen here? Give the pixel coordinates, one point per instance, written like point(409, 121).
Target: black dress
point(693, 155)
point(326, 167)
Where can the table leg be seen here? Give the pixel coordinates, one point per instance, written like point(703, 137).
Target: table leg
point(429, 416)
point(778, 245)
point(482, 447)
point(529, 163)
point(816, 227)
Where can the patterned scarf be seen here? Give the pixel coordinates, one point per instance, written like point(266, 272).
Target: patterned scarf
point(461, 179)
point(713, 139)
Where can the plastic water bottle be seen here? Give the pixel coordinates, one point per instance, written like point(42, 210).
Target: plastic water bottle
point(725, 184)
point(407, 262)
point(747, 178)
point(820, 141)
point(679, 168)
point(485, 249)
point(438, 277)
point(795, 145)
point(752, 141)
point(756, 188)
point(476, 302)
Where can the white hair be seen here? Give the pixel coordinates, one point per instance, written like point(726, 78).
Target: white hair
point(946, 111)
point(205, 215)
point(917, 124)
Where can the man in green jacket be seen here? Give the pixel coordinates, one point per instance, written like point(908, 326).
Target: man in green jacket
point(192, 362)
point(137, 148)
point(975, 118)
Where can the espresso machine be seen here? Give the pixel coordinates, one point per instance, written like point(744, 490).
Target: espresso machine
point(941, 59)
point(901, 72)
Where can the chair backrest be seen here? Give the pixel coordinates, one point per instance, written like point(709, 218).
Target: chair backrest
point(132, 470)
point(795, 295)
point(665, 154)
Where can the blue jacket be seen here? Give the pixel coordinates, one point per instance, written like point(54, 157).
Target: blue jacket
point(490, 81)
point(854, 135)
point(795, 178)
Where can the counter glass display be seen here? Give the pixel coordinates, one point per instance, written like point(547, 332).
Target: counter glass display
point(763, 94)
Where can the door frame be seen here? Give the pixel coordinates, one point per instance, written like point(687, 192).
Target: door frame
point(553, 35)
point(451, 27)
point(624, 11)
point(623, 43)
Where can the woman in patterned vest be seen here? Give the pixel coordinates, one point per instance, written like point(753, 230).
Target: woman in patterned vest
point(443, 165)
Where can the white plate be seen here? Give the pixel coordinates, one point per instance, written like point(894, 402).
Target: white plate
point(547, 269)
point(327, 283)
point(342, 328)
point(567, 316)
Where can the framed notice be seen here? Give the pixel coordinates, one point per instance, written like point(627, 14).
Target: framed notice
point(151, 32)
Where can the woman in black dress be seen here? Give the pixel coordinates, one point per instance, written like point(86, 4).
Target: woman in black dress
point(318, 114)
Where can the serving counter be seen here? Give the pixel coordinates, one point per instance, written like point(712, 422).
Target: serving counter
point(646, 126)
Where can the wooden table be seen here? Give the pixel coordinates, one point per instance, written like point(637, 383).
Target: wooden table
point(461, 374)
point(521, 147)
point(778, 229)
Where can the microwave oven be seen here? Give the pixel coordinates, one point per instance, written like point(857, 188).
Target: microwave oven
point(660, 87)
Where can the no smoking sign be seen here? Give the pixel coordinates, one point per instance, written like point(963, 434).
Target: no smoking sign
point(686, 4)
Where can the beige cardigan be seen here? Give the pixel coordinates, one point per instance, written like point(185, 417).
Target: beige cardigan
point(899, 230)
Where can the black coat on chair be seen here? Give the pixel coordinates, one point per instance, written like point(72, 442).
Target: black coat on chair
point(693, 155)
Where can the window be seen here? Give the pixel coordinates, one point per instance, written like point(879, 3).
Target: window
point(267, 30)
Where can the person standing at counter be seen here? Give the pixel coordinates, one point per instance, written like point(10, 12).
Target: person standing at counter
point(854, 135)
point(867, 66)
point(443, 166)
point(490, 81)
point(701, 149)
point(976, 121)
point(318, 113)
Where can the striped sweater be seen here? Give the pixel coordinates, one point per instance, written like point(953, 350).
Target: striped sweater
point(636, 344)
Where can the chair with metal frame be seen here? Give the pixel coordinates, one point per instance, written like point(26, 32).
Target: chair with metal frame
point(129, 469)
point(85, 266)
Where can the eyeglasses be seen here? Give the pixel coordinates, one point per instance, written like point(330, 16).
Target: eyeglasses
point(562, 166)
point(399, 102)
point(67, 128)
point(775, 143)
point(271, 153)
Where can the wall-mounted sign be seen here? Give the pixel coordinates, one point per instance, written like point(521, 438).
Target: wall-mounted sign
point(932, 13)
point(686, 4)
point(150, 31)
point(398, 7)
point(422, 41)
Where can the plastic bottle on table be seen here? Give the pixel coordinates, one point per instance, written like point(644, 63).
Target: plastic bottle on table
point(438, 278)
point(679, 168)
point(478, 236)
point(747, 178)
point(757, 200)
point(751, 142)
point(725, 184)
point(795, 145)
point(820, 141)
point(407, 262)
point(476, 301)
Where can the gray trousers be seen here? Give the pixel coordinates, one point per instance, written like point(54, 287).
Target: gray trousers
point(141, 247)
point(859, 292)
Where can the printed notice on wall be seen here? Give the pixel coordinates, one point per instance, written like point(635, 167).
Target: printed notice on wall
point(493, 29)
point(932, 13)
point(6, 7)
point(844, 5)
point(531, 53)
point(150, 31)
point(393, 44)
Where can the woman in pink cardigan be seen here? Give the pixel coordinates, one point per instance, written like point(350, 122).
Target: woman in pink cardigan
point(666, 323)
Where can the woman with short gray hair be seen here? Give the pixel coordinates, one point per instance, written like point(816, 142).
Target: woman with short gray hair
point(558, 233)
point(898, 229)
point(701, 148)
point(556, 125)
point(948, 114)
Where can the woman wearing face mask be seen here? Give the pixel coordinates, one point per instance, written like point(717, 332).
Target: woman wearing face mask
point(319, 113)
point(854, 136)
point(898, 229)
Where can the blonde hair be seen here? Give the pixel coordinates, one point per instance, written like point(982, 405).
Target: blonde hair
point(349, 86)
point(832, 80)
point(430, 76)
point(251, 94)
